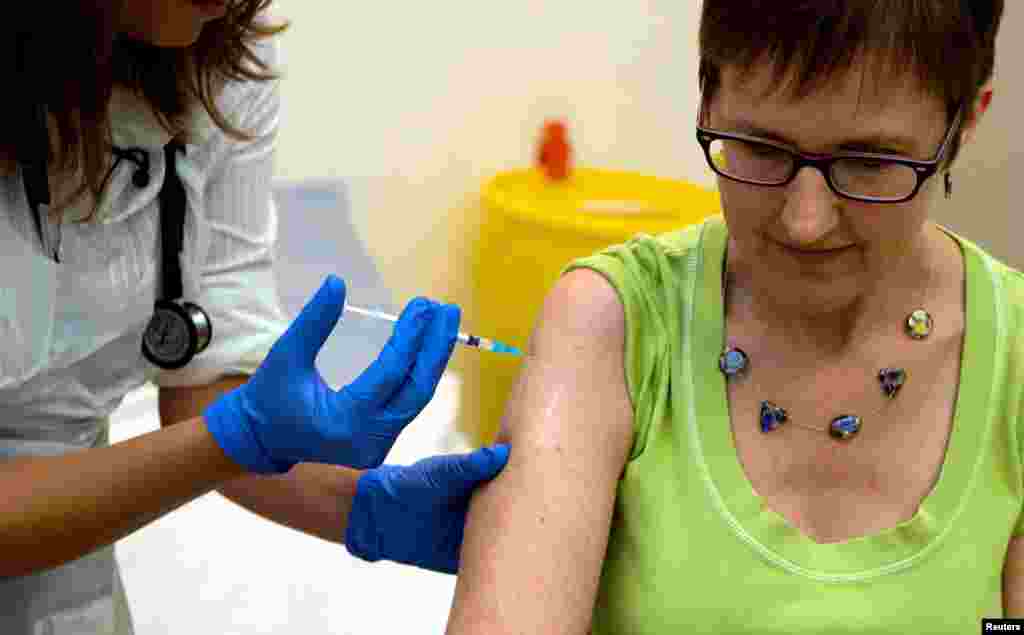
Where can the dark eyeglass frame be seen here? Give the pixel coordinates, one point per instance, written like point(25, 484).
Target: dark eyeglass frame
point(824, 162)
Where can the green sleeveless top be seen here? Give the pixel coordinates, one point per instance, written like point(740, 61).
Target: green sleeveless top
point(693, 549)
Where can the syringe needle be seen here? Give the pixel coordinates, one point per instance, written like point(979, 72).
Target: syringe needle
point(483, 343)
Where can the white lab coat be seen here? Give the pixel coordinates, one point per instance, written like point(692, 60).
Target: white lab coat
point(72, 332)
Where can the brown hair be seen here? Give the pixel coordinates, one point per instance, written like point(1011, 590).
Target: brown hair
point(948, 45)
point(74, 60)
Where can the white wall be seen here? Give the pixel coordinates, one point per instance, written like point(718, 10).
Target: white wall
point(415, 104)
point(981, 207)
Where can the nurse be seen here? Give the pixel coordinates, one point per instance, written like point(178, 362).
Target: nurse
point(137, 237)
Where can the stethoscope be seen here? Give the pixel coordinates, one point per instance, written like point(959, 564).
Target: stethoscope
point(178, 331)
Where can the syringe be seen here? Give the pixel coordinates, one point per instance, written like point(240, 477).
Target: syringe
point(475, 341)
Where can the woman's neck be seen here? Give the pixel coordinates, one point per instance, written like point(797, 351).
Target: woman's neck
point(843, 327)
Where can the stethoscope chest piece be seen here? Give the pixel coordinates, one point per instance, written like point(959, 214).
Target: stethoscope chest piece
point(175, 334)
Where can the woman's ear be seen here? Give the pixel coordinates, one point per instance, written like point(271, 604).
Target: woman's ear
point(977, 112)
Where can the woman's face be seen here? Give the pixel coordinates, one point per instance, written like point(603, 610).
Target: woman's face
point(168, 23)
point(764, 222)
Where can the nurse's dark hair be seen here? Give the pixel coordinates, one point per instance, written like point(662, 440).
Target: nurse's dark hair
point(947, 45)
point(74, 56)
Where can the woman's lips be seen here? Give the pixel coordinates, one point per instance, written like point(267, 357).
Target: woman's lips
point(812, 254)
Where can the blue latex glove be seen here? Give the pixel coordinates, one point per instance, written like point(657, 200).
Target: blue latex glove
point(415, 514)
point(285, 414)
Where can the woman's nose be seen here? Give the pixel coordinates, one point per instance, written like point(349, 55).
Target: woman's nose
point(811, 211)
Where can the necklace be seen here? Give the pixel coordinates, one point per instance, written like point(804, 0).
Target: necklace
point(734, 363)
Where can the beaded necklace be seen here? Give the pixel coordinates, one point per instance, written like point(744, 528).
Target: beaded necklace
point(735, 363)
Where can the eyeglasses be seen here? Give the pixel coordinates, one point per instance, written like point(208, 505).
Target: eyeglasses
point(859, 176)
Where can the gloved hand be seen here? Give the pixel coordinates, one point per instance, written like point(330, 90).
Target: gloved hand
point(285, 414)
point(416, 514)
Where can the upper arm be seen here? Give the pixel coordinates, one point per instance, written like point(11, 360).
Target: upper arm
point(536, 535)
point(1013, 579)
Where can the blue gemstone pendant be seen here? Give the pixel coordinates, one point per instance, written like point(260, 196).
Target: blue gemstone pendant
point(844, 427)
point(892, 379)
point(733, 362)
point(771, 416)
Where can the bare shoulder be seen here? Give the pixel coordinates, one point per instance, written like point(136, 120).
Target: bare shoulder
point(584, 307)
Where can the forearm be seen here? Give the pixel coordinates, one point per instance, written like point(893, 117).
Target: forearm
point(312, 498)
point(58, 509)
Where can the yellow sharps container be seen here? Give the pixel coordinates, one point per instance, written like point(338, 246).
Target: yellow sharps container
point(532, 226)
